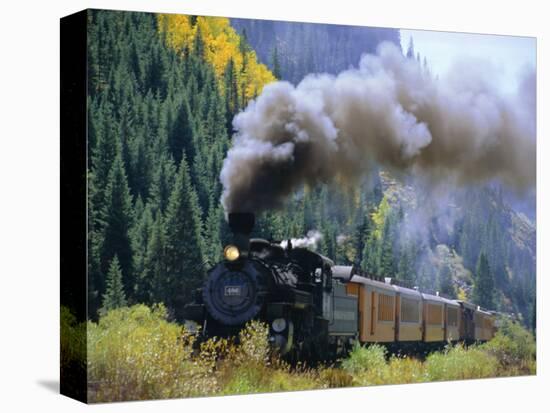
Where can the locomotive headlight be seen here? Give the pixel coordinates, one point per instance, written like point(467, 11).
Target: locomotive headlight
point(231, 253)
point(278, 325)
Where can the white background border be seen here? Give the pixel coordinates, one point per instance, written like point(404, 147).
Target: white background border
point(29, 203)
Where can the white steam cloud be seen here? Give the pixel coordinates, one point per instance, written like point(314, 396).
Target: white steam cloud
point(389, 112)
point(310, 241)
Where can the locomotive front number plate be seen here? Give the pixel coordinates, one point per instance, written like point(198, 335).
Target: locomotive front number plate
point(231, 290)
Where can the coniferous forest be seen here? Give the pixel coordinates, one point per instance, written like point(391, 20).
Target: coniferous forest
point(162, 93)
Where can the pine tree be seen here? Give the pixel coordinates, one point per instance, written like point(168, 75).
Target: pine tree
point(141, 235)
point(484, 284)
point(387, 265)
point(231, 89)
point(117, 217)
point(140, 167)
point(184, 257)
point(212, 238)
point(275, 63)
point(162, 183)
point(114, 296)
point(406, 265)
point(198, 43)
point(182, 134)
point(107, 146)
point(154, 267)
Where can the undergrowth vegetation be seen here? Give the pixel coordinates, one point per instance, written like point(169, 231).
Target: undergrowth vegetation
point(136, 353)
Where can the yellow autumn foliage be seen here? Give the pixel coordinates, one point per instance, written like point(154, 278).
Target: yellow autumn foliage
point(221, 43)
point(379, 217)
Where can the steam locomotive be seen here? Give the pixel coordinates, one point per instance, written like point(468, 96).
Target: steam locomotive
point(317, 310)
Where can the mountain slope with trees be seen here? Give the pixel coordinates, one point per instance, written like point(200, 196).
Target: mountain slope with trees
point(292, 50)
point(162, 92)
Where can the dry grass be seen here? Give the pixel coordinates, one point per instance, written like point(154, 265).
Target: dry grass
point(136, 354)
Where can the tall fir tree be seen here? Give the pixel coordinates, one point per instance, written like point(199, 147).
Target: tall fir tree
point(182, 134)
point(387, 265)
point(276, 63)
point(184, 257)
point(140, 235)
point(406, 265)
point(162, 183)
point(484, 294)
point(231, 90)
point(114, 296)
point(117, 217)
point(154, 266)
point(212, 236)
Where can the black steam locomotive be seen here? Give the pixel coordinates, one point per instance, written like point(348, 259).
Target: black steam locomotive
point(299, 293)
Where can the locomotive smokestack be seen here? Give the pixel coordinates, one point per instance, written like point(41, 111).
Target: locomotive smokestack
point(241, 224)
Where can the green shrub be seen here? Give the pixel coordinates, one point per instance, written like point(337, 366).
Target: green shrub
point(404, 370)
point(365, 358)
point(254, 346)
point(134, 353)
point(368, 366)
point(514, 347)
point(457, 363)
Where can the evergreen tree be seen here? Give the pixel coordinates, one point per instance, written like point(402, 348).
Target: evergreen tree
point(114, 296)
point(406, 266)
point(275, 63)
point(198, 45)
point(231, 94)
point(107, 146)
point(140, 166)
point(117, 217)
point(141, 235)
point(484, 284)
point(162, 183)
point(96, 279)
point(212, 237)
point(182, 134)
point(154, 268)
point(386, 267)
point(184, 258)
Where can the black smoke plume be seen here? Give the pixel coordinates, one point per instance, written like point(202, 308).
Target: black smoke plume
point(388, 112)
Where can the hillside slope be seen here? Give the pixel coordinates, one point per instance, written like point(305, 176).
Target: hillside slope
point(296, 49)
